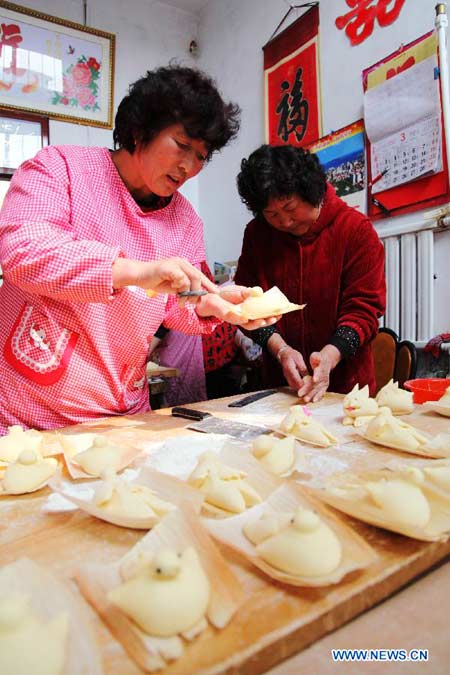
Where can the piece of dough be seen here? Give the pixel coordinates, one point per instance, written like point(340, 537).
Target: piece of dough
point(29, 473)
point(209, 461)
point(359, 408)
point(271, 303)
point(440, 444)
point(28, 645)
point(399, 401)
point(393, 433)
point(304, 544)
point(17, 440)
point(445, 399)
point(224, 487)
point(440, 475)
point(300, 423)
point(267, 525)
point(401, 501)
point(117, 496)
point(277, 455)
point(101, 456)
point(229, 495)
point(166, 596)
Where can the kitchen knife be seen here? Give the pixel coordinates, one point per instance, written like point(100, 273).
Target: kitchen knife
point(208, 424)
point(240, 403)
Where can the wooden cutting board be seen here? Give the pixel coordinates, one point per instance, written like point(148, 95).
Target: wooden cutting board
point(276, 620)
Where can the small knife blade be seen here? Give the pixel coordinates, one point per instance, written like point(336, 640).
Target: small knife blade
point(191, 294)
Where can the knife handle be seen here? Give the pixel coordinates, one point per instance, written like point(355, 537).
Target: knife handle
point(190, 413)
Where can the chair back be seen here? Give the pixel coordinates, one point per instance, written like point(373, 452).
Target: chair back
point(393, 359)
point(406, 362)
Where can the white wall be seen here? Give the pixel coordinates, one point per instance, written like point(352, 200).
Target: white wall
point(148, 34)
point(231, 35)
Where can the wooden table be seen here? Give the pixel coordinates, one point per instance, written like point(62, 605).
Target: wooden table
point(275, 621)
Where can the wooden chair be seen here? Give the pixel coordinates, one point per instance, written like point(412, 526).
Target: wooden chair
point(393, 359)
point(406, 364)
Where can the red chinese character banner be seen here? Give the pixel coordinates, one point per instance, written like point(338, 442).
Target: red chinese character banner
point(292, 85)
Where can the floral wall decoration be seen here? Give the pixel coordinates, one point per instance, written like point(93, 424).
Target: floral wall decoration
point(55, 67)
point(359, 22)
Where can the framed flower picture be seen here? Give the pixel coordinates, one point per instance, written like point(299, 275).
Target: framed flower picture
point(55, 67)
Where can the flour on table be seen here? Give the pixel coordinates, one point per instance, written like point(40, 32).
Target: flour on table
point(178, 456)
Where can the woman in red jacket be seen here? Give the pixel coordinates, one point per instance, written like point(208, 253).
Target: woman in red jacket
point(318, 251)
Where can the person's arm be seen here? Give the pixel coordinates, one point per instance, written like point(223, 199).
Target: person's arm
point(363, 302)
point(363, 298)
point(38, 249)
point(40, 253)
point(156, 340)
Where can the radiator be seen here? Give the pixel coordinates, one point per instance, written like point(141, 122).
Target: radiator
point(409, 282)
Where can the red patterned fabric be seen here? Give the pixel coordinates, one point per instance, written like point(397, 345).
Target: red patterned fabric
point(337, 269)
point(219, 347)
point(75, 349)
point(434, 345)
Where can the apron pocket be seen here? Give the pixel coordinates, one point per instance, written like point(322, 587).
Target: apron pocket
point(134, 381)
point(38, 348)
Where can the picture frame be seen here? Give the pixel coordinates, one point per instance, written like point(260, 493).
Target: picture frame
point(54, 67)
point(342, 155)
point(22, 135)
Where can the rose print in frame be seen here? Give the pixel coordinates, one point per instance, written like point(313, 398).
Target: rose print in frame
point(55, 67)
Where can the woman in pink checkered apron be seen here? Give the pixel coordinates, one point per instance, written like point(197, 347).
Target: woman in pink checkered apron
point(84, 232)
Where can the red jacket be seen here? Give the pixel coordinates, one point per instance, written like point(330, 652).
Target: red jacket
point(337, 269)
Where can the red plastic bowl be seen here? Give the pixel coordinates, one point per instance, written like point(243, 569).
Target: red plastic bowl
point(427, 389)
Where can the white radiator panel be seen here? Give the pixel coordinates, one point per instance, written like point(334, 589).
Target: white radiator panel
point(425, 285)
point(409, 281)
point(408, 287)
point(392, 250)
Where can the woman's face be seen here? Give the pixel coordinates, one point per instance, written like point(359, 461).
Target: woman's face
point(168, 161)
point(291, 214)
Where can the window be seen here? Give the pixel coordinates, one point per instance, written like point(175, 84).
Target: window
point(21, 136)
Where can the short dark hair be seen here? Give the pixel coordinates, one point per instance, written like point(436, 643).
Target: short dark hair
point(175, 95)
point(280, 171)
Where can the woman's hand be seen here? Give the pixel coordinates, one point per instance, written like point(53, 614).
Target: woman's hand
point(292, 362)
point(170, 275)
point(220, 305)
point(293, 365)
point(322, 363)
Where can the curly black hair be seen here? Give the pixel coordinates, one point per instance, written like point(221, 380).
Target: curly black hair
point(175, 95)
point(280, 171)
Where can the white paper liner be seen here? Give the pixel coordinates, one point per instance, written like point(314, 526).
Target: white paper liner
point(179, 456)
point(422, 450)
point(277, 429)
point(438, 528)
point(402, 465)
point(439, 408)
point(50, 597)
point(166, 487)
point(74, 443)
point(178, 530)
point(357, 554)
